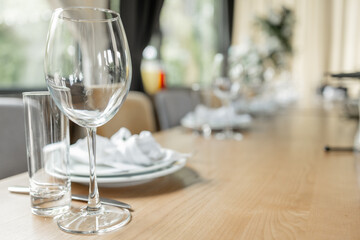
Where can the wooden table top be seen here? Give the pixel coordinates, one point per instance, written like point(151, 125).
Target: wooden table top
point(277, 183)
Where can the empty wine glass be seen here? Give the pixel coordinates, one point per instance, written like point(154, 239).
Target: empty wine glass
point(88, 73)
point(227, 89)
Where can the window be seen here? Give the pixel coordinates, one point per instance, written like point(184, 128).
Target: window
point(23, 29)
point(188, 41)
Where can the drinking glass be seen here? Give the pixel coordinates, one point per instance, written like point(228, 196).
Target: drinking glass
point(47, 145)
point(88, 73)
point(227, 89)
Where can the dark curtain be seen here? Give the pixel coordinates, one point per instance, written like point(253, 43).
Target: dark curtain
point(230, 12)
point(224, 11)
point(140, 18)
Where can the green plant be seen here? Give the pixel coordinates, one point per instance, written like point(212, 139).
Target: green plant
point(278, 30)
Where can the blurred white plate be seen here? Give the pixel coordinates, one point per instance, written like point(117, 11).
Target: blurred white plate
point(134, 179)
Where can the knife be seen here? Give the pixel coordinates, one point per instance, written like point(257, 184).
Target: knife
point(106, 201)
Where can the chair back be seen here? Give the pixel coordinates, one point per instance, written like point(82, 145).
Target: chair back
point(173, 104)
point(12, 137)
point(136, 114)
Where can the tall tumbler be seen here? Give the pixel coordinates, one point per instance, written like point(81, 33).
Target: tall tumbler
point(47, 144)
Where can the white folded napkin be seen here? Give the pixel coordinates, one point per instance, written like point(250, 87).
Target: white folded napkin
point(215, 118)
point(125, 151)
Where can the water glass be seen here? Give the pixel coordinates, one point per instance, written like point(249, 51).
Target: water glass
point(47, 143)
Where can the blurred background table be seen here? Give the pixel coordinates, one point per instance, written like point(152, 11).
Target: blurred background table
point(277, 183)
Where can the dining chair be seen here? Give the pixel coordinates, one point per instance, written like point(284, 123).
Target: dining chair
point(173, 104)
point(136, 114)
point(12, 137)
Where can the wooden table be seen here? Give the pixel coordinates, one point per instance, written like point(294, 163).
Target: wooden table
point(277, 183)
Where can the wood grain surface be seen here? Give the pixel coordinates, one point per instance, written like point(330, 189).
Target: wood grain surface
point(277, 183)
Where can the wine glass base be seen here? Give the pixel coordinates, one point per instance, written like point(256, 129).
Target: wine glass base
point(229, 135)
point(106, 219)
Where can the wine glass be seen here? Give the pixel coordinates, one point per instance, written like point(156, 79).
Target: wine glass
point(88, 73)
point(227, 88)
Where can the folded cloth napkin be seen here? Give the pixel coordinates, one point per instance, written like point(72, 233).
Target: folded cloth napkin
point(215, 118)
point(125, 151)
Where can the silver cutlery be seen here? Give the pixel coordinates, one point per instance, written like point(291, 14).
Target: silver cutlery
point(107, 201)
point(338, 149)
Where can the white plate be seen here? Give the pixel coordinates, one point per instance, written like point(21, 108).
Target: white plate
point(130, 180)
point(82, 170)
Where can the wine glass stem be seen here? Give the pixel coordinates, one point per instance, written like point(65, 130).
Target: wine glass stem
point(93, 202)
point(228, 130)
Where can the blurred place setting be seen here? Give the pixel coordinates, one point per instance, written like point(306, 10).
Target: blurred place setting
point(170, 119)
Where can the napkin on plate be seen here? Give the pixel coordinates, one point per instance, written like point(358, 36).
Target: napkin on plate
point(125, 151)
point(216, 118)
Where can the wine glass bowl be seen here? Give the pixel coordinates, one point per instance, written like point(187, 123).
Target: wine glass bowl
point(227, 88)
point(88, 73)
point(87, 64)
